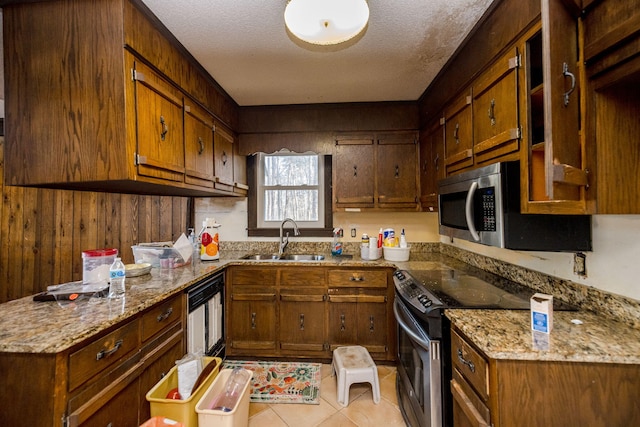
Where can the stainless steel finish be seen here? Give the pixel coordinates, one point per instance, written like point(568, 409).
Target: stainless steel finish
point(287, 257)
point(419, 371)
point(261, 257)
point(285, 241)
point(302, 257)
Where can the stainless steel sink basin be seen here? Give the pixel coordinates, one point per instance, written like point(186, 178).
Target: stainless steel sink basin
point(302, 257)
point(286, 257)
point(261, 257)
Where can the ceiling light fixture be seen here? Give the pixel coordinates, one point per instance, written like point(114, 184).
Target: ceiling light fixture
point(326, 22)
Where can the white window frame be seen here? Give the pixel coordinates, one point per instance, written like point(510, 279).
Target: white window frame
point(261, 188)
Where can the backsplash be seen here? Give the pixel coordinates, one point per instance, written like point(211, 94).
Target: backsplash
point(609, 305)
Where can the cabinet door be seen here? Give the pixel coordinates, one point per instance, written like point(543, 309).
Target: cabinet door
point(240, 185)
point(554, 166)
point(343, 321)
point(120, 411)
point(198, 146)
point(372, 323)
point(496, 127)
point(160, 138)
point(431, 164)
point(252, 321)
point(354, 171)
point(302, 320)
point(396, 170)
point(223, 158)
point(458, 135)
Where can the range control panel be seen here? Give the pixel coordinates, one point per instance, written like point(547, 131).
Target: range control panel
point(414, 293)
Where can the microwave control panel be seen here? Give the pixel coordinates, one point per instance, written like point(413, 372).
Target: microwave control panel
point(487, 199)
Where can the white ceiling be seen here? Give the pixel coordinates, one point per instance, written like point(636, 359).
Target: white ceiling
point(245, 46)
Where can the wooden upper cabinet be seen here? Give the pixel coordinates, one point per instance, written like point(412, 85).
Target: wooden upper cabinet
point(496, 127)
point(431, 164)
point(553, 173)
point(159, 130)
point(198, 143)
point(376, 170)
point(458, 134)
point(223, 158)
point(113, 121)
point(396, 172)
point(354, 171)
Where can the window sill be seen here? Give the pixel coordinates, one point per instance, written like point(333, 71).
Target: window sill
point(304, 232)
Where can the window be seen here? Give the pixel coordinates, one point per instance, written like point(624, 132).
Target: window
point(289, 185)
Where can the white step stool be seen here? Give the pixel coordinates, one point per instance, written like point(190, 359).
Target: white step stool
point(353, 364)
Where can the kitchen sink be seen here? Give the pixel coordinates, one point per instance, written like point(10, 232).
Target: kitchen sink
point(302, 257)
point(286, 257)
point(261, 257)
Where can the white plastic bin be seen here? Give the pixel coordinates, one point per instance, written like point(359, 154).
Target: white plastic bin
point(238, 417)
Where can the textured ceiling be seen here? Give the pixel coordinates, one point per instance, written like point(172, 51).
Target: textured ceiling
point(245, 46)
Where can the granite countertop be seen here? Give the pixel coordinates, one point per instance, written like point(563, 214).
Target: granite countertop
point(507, 334)
point(51, 327)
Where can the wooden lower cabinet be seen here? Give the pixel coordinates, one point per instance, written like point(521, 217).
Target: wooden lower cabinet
point(301, 312)
point(100, 382)
point(502, 393)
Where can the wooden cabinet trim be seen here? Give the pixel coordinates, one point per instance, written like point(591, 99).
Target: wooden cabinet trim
point(467, 406)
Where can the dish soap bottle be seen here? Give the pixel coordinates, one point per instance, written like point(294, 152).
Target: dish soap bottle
point(336, 247)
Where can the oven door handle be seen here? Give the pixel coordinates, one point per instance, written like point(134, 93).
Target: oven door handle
point(467, 211)
point(424, 344)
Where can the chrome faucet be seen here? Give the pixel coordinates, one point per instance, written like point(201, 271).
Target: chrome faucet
point(285, 241)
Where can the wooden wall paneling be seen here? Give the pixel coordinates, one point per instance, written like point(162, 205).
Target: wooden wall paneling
point(126, 209)
point(29, 228)
point(45, 239)
point(63, 237)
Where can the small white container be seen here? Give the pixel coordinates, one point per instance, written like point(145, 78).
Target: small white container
point(395, 253)
point(96, 264)
point(238, 417)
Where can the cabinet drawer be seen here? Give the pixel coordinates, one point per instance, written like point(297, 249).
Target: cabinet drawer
point(253, 276)
point(468, 399)
point(302, 277)
point(102, 353)
point(357, 278)
point(161, 316)
point(470, 364)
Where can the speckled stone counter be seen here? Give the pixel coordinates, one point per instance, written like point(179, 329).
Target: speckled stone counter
point(50, 327)
point(506, 334)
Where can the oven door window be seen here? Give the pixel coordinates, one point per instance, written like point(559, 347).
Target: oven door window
point(411, 357)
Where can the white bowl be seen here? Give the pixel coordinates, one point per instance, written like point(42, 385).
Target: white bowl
point(394, 253)
point(135, 270)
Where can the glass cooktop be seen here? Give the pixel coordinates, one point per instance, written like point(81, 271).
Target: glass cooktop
point(454, 288)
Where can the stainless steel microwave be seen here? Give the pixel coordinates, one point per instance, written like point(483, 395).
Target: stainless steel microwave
point(483, 206)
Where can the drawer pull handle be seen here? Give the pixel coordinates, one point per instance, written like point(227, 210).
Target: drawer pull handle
point(106, 353)
point(342, 323)
point(355, 278)
point(302, 321)
point(163, 128)
point(165, 315)
point(253, 320)
point(371, 324)
point(567, 73)
point(469, 363)
point(492, 113)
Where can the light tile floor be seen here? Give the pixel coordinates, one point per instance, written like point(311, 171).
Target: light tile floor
point(360, 412)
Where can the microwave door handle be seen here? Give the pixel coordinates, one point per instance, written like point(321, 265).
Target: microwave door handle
point(467, 211)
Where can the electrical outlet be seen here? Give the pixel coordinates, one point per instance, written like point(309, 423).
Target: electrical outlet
point(580, 264)
point(353, 232)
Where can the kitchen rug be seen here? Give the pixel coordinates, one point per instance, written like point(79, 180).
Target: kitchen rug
point(282, 382)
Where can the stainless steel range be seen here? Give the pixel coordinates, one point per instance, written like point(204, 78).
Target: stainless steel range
point(424, 368)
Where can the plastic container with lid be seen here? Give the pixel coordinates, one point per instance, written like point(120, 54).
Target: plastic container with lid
point(96, 264)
